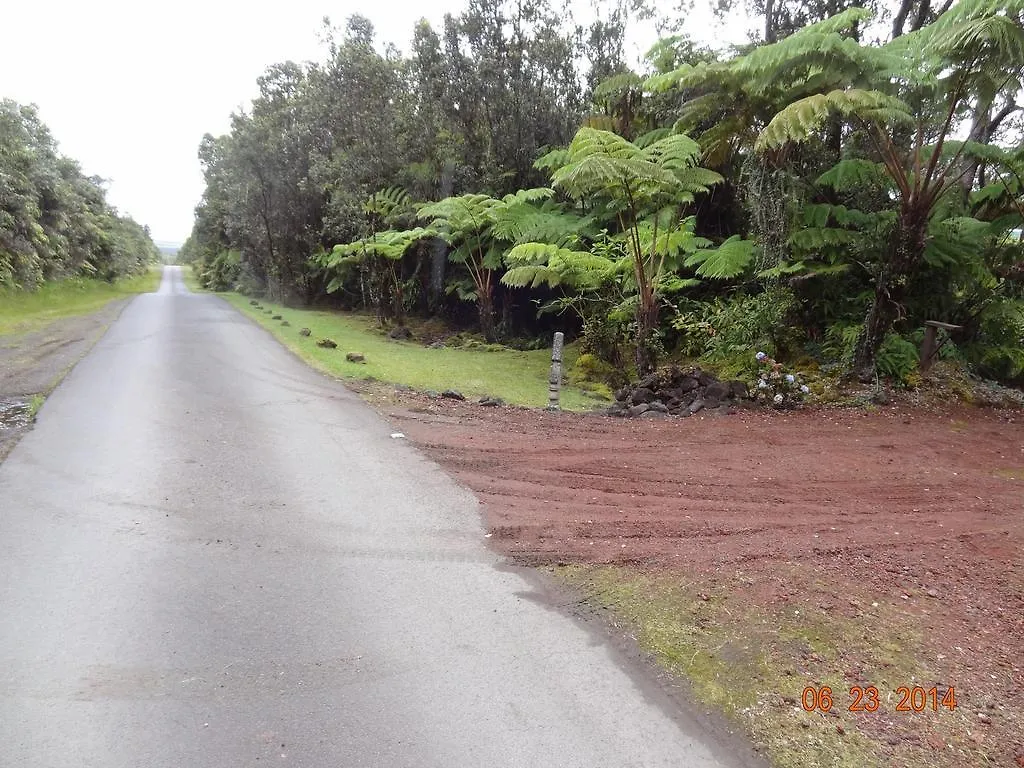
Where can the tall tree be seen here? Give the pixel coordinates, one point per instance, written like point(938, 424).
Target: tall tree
point(907, 99)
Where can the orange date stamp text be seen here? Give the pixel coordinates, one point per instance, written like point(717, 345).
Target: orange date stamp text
point(866, 699)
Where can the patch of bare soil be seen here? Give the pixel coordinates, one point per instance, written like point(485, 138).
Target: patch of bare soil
point(34, 363)
point(921, 512)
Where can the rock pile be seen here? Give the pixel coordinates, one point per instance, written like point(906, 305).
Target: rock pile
point(676, 392)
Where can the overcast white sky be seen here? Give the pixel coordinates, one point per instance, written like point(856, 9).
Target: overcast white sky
point(128, 88)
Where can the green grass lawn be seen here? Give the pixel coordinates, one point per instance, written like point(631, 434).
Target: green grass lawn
point(519, 378)
point(22, 311)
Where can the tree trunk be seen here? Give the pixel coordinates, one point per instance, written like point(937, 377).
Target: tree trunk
point(485, 306)
point(905, 252)
point(438, 263)
point(646, 328)
point(770, 29)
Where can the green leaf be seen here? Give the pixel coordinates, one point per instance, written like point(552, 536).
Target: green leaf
point(853, 173)
point(801, 119)
point(727, 261)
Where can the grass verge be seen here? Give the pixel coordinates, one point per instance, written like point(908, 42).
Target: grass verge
point(519, 378)
point(188, 274)
point(34, 404)
point(753, 660)
point(22, 311)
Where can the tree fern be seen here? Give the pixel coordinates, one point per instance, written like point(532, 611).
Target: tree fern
point(644, 189)
point(537, 264)
point(727, 261)
point(798, 121)
point(855, 173)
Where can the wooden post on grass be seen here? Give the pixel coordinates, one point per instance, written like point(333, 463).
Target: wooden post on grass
point(555, 377)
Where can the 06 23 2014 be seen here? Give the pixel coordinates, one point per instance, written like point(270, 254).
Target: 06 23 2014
point(867, 698)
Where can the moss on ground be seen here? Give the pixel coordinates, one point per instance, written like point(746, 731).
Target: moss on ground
point(752, 660)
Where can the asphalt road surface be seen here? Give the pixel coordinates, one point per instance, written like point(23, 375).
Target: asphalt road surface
point(210, 555)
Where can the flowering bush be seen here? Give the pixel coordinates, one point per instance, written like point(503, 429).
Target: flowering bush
point(777, 387)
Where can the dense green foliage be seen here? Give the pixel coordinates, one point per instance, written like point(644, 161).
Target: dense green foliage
point(820, 195)
point(54, 221)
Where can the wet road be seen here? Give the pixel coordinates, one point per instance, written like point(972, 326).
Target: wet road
point(212, 556)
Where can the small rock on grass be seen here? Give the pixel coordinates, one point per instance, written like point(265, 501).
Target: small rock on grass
point(491, 401)
point(327, 343)
point(304, 332)
point(355, 357)
point(453, 394)
point(276, 317)
point(285, 323)
point(254, 302)
point(401, 332)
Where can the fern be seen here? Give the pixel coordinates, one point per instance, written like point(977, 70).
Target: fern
point(855, 173)
point(727, 261)
point(555, 158)
point(387, 202)
point(536, 264)
point(616, 84)
point(817, 238)
point(549, 223)
point(528, 195)
point(897, 358)
point(798, 121)
point(652, 136)
point(667, 81)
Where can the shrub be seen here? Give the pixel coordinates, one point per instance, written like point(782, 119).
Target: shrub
point(725, 330)
point(898, 359)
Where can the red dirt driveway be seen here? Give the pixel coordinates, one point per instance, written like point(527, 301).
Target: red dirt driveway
point(922, 510)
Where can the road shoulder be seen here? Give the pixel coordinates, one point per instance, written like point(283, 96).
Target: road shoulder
point(33, 363)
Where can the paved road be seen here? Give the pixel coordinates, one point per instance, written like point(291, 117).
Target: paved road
point(212, 556)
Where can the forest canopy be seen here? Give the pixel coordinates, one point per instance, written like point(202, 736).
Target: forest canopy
point(819, 193)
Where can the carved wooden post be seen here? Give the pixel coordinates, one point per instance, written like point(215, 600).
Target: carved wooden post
point(555, 377)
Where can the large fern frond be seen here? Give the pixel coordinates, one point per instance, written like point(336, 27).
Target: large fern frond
point(552, 159)
point(976, 31)
point(674, 152)
point(387, 201)
point(667, 81)
point(612, 86)
point(801, 119)
point(528, 195)
point(537, 264)
point(855, 173)
point(727, 261)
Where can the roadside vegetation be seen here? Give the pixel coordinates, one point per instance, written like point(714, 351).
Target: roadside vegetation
point(55, 222)
point(22, 311)
point(817, 194)
point(460, 362)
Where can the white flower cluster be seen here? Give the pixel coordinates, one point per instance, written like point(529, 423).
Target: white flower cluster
point(777, 387)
